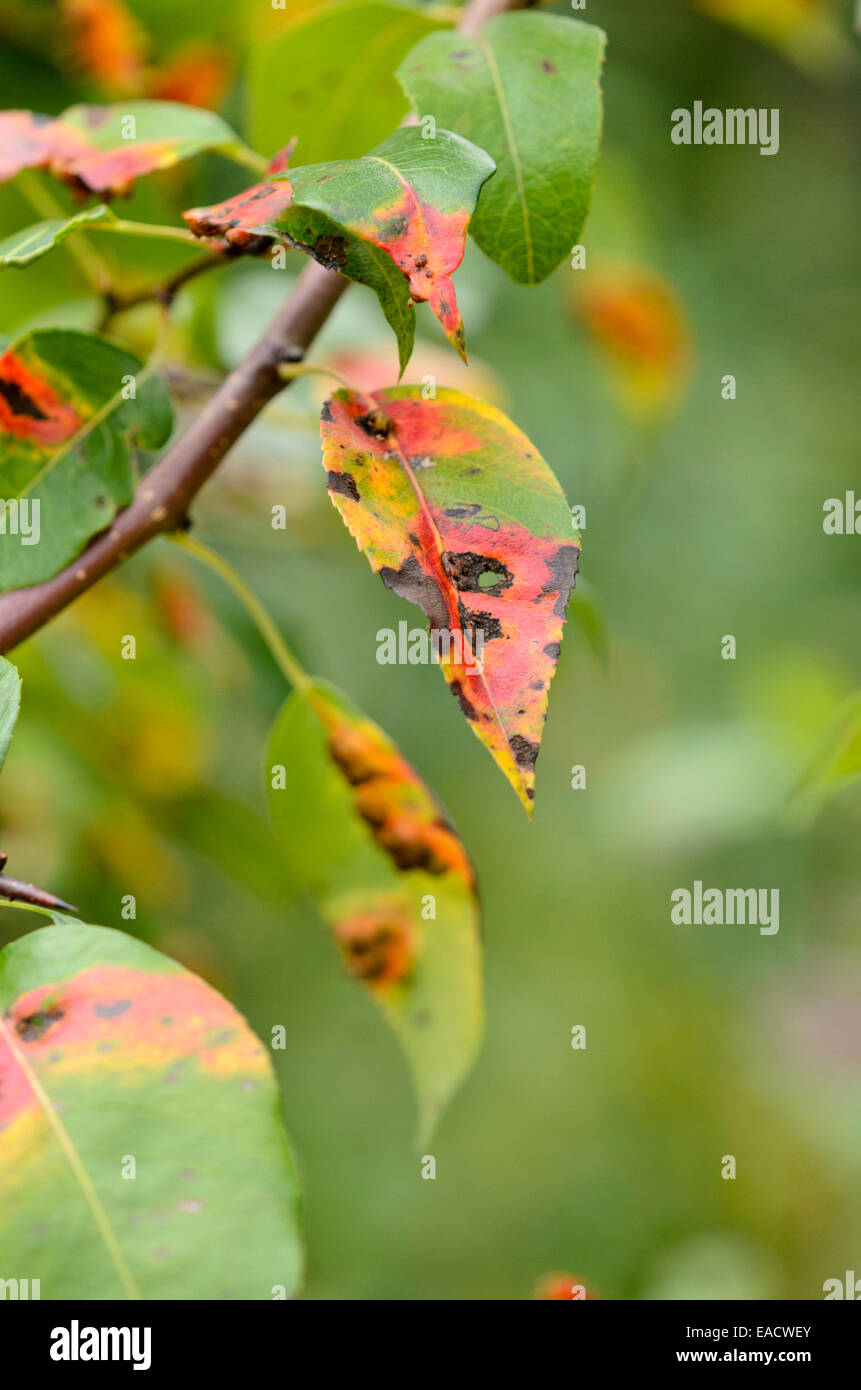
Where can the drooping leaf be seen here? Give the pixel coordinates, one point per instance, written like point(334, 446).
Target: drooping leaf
point(10, 704)
point(74, 411)
point(308, 62)
point(141, 1149)
point(103, 149)
point(364, 836)
point(458, 512)
point(526, 89)
point(395, 219)
point(32, 242)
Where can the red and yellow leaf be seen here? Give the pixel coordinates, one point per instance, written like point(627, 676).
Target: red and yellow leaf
point(247, 220)
point(110, 1055)
point(457, 511)
point(103, 149)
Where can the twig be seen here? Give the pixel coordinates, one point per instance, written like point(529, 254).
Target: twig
point(165, 494)
point(164, 291)
point(18, 892)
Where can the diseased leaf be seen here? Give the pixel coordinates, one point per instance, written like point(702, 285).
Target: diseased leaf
point(70, 429)
point(364, 836)
point(109, 1054)
point(103, 149)
point(32, 242)
point(395, 219)
point(459, 513)
point(10, 704)
point(308, 62)
point(526, 89)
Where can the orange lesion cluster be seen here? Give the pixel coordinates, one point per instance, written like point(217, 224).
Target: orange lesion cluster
point(108, 47)
point(377, 946)
point(403, 817)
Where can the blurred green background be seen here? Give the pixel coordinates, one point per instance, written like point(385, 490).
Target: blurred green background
point(704, 518)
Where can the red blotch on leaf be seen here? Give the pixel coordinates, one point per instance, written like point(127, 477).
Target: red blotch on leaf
point(30, 407)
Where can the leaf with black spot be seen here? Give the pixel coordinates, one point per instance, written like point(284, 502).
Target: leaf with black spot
point(76, 413)
point(395, 220)
point(459, 513)
point(110, 1052)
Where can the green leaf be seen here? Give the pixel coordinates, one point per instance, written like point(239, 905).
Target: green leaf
point(10, 704)
point(526, 89)
point(110, 1052)
point(68, 437)
point(395, 220)
point(325, 73)
point(32, 242)
point(364, 836)
point(103, 149)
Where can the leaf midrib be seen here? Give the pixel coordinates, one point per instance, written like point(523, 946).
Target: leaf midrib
point(490, 58)
point(425, 506)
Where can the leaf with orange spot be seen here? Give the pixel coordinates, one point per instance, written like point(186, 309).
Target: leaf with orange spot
point(362, 833)
point(107, 45)
point(459, 513)
point(561, 1288)
point(75, 412)
point(103, 149)
point(199, 74)
point(640, 324)
point(395, 220)
point(110, 1052)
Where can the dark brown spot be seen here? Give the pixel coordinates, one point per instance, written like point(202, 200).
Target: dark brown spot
point(411, 582)
point(552, 650)
point(344, 483)
point(18, 401)
point(35, 1026)
point(466, 705)
point(485, 623)
point(467, 570)
point(524, 752)
point(376, 424)
point(330, 251)
point(563, 569)
point(326, 413)
point(547, 65)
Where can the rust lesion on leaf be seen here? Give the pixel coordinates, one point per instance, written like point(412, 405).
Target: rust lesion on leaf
point(376, 424)
point(404, 819)
point(377, 946)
